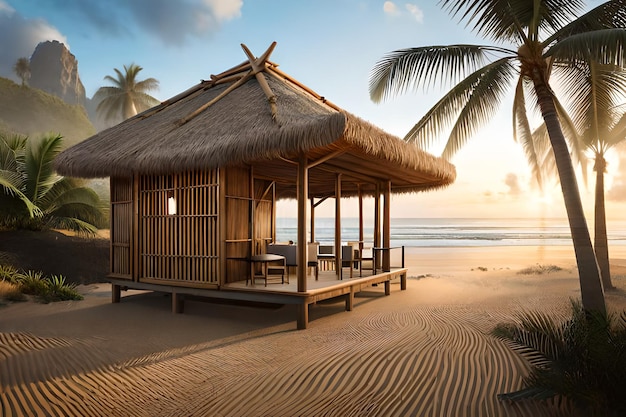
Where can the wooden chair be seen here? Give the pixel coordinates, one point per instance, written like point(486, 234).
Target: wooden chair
point(347, 259)
point(311, 258)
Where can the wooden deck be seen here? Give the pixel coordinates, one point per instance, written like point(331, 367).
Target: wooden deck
point(326, 287)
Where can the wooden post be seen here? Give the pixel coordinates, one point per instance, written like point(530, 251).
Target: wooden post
point(387, 228)
point(134, 238)
point(115, 293)
point(221, 219)
point(377, 242)
point(350, 300)
point(303, 316)
point(338, 226)
point(178, 303)
point(302, 192)
point(273, 211)
point(312, 219)
point(361, 234)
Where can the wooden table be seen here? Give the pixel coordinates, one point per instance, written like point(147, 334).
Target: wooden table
point(277, 264)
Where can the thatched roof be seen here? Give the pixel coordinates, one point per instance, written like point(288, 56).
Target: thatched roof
point(255, 114)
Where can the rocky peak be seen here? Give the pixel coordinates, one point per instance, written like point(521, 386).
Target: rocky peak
point(54, 69)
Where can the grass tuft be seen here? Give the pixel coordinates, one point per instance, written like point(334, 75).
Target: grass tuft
point(539, 269)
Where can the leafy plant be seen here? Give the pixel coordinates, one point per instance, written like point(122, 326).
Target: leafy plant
point(582, 358)
point(33, 197)
point(10, 274)
point(33, 283)
point(59, 290)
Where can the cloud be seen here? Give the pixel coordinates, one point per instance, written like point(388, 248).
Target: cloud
point(391, 9)
point(415, 11)
point(512, 182)
point(20, 36)
point(174, 22)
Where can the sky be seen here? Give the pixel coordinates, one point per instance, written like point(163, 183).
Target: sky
point(330, 46)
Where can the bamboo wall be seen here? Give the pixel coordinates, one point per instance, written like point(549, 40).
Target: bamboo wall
point(183, 247)
point(121, 227)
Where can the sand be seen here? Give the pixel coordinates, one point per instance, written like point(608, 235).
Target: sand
point(425, 351)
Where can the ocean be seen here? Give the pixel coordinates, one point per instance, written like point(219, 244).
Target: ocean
point(454, 232)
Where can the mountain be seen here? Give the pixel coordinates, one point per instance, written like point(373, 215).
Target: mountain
point(54, 69)
point(33, 112)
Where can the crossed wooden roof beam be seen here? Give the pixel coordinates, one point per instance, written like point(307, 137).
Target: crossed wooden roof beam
point(240, 75)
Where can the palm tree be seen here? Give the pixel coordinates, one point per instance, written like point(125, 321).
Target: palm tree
point(33, 197)
point(594, 92)
point(597, 34)
point(22, 69)
point(127, 96)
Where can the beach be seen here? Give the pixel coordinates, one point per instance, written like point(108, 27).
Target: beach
point(426, 351)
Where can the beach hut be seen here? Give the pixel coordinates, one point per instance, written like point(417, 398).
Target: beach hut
point(194, 183)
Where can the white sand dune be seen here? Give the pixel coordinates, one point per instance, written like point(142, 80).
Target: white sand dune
point(426, 351)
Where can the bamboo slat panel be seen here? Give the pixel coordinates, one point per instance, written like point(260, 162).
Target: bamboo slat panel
point(237, 223)
point(121, 226)
point(179, 246)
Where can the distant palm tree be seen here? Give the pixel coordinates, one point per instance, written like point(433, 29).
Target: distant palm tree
point(593, 92)
point(128, 96)
point(597, 35)
point(32, 196)
point(22, 69)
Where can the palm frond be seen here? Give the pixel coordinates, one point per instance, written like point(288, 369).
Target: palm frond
point(608, 15)
point(406, 69)
point(607, 46)
point(506, 19)
point(149, 84)
point(466, 107)
point(76, 225)
point(40, 174)
point(523, 134)
point(14, 192)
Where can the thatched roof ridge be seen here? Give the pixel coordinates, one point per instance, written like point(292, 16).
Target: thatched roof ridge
point(250, 113)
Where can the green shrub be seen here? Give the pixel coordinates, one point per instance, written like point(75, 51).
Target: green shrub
point(59, 290)
point(539, 269)
point(10, 274)
point(33, 283)
point(582, 359)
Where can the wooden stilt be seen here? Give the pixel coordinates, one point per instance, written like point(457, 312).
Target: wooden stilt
point(350, 301)
point(116, 291)
point(338, 263)
point(178, 303)
point(303, 316)
point(387, 228)
point(303, 191)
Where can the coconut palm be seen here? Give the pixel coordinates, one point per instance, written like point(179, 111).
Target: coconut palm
point(593, 92)
point(475, 99)
point(22, 69)
point(127, 96)
point(33, 197)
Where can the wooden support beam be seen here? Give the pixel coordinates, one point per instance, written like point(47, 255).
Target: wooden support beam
point(377, 240)
point(338, 262)
point(303, 192)
point(116, 293)
point(322, 200)
point(312, 219)
point(178, 303)
point(326, 158)
point(303, 316)
point(387, 227)
point(387, 287)
point(134, 238)
point(350, 300)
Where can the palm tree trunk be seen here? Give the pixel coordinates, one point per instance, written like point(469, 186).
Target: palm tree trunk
point(600, 239)
point(591, 289)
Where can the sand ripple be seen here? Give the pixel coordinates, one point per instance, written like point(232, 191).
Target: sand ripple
point(422, 361)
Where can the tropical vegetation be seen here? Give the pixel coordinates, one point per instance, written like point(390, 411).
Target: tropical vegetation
point(14, 285)
point(33, 197)
point(127, 96)
point(33, 112)
point(593, 93)
point(22, 69)
point(582, 358)
point(537, 38)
